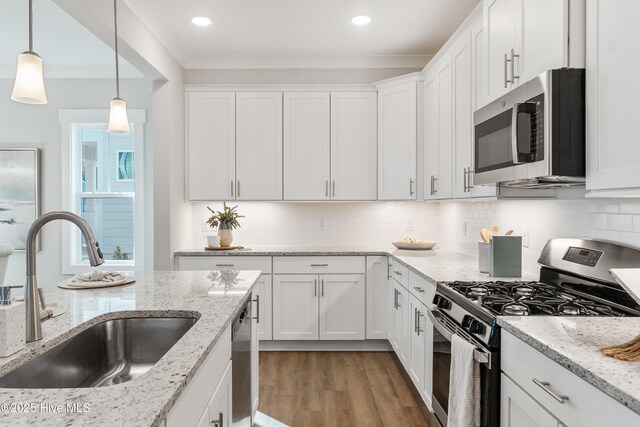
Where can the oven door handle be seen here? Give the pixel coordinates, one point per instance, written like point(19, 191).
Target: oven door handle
point(478, 355)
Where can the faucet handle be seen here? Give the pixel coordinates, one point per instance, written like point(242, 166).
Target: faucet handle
point(5, 295)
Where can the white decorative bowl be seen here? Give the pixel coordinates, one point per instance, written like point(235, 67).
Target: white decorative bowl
point(414, 246)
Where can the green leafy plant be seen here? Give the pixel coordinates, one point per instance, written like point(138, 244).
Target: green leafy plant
point(119, 255)
point(226, 220)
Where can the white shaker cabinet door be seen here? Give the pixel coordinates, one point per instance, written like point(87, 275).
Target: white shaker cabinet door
point(342, 307)
point(462, 117)
point(377, 297)
point(295, 307)
point(417, 342)
point(259, 146)
point(306, 145)
point(500, 24)
point(518, 409)
point(430, 135)
point(211, 141)
point(444, 70)
point(397, 133)
point(354, 149)
point(263, 294)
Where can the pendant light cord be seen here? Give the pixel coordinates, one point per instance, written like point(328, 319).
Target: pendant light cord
point(30, 25)
point(115, 25)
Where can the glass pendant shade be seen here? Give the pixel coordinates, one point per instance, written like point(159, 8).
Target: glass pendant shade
point(29, 84)
point(118, 120)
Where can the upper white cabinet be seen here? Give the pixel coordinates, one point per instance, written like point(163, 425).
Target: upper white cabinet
point(397, 144)
point(430, 134)
point(462, 117)
point(306, 145)
point(211, 144)
point(526, 37)
point(612, 91)
point(353, 146)
point(259, 146)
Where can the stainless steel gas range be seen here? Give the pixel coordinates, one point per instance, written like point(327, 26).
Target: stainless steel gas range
point(574, 281)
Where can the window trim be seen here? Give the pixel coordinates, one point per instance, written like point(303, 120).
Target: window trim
point(67, 118)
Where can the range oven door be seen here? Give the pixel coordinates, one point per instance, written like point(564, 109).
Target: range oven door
point(443, 330)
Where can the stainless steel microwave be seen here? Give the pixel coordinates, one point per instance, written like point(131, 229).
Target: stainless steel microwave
point(534, 136)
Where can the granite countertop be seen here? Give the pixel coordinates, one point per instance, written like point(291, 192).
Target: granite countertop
point(215, 299)
point(575, 342)
point(437, 265)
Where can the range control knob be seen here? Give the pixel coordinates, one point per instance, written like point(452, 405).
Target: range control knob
point(475, 327)
point(441, 302)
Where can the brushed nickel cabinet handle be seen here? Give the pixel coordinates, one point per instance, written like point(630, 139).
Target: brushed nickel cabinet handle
point(397, 273)
point(506, 77)
point(319, 265)
point(465, 180)
point(470, 173)
point(238, 185)
point(411, 186)
point(514, 76)
point(326, 188)
point(224, 265)
point(219, 422)
point(231, 188)
point(333, 190)
point(257, 301)
point(315, 287)
point(415, 320)
point(546, 386)
point(322, 284)
point(435, 185)
point(419, 289)
point(418, 328)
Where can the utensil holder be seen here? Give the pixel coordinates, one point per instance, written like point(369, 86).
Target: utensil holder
point(483, 257)
point(505, 256)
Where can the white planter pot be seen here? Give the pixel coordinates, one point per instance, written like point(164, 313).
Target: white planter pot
point(5, 252)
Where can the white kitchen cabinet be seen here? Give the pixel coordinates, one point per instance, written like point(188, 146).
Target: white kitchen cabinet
point(354, 146)
point(377, 297)
point(417, 342)
point(211, 141)
point(306, 146)
point(342, 307)
point(255, 353)
point(259, 146)
point(462, 117)
point(295, 307)
point(444, 71)
point(612, 92)
point(221, 404)
point(397, 140)
point(401, 325)
point(527, 37)
point(518, 409)
point(430, 134)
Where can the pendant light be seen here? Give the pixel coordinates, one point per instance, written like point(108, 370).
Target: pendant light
point(29, 84)
point(118, 120)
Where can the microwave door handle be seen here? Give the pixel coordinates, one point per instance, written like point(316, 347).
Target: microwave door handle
point(514, 133)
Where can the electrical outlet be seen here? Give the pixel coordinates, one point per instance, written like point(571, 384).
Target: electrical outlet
point(464, 228)
point(525, 237)
point(323, 224)
point(411, 226)
point(204, 226)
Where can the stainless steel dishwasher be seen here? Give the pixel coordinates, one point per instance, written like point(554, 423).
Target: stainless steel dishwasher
point(241, 368)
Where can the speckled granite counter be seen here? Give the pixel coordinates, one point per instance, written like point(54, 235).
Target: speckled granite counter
point(574, 343)
point(437, 265)
point(145, 401)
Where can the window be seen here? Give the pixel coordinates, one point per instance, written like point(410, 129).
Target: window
point(101, 179)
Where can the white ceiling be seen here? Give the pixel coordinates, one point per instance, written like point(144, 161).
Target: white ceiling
point(66, 47)
point(303, 33)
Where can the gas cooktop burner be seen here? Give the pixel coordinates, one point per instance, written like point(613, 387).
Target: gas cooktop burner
point(515, 309)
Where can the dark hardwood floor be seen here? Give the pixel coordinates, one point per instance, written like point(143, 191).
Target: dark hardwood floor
point(324, 389)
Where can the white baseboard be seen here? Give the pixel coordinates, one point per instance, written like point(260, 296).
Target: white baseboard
point(366, 345)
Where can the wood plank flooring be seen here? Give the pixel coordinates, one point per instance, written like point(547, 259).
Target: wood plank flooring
point(326, 389)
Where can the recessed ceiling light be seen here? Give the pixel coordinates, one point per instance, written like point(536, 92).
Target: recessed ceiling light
point(361, 20)
point(201, 21)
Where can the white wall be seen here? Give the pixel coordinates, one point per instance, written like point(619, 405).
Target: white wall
point(362, 223)
point(38, 126)
point(609, 219)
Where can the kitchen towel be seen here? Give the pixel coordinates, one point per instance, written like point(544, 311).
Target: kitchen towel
point(97, 279)
point(464, 385)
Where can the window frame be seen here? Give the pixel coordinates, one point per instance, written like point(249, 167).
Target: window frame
point(71, 198)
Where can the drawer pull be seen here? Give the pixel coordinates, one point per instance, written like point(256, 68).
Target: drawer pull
point(224, 265)
point(546, 386)
point(219, 422)
point(419, 289)
point(397, 273)
point(257, 301)
point(319, 265)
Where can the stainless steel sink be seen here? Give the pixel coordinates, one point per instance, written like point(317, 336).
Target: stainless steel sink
point(108, 353)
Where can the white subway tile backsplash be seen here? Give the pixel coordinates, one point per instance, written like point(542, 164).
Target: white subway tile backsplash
point(620, 222)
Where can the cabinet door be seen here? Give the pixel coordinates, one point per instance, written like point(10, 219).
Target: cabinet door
point(354, 149)
point(220, 405)
point(377, 291)
point(445, 128)
point(518, 409)
point(397, 142)
point(401, 325)
point(255, 357)
point(430, 134)
point(263, 308)
point(391, 311)
point(612, 92)
point(306, 146)
point(500, 23)
point(342, 307)
point(295, 307)
point(543, 39)
point(259, 146)
point(462, 123)
point(211, 143)
point(427, 331)
point(416, 343)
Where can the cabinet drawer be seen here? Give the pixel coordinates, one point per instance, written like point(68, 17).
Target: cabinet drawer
point(584, 403)
point(318, 265)
point(225, 262)
point(422, 289)
point(400, 273)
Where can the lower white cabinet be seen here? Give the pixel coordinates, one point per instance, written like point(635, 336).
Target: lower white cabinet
point(319, 307)
point(255, 356)
point(417, 342)
point(518, 409)
point(400, 321)
point(377, 301)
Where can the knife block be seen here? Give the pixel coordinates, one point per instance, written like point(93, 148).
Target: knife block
point(505, 256)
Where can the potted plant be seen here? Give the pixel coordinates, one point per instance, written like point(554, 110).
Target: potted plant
point(226, 221)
